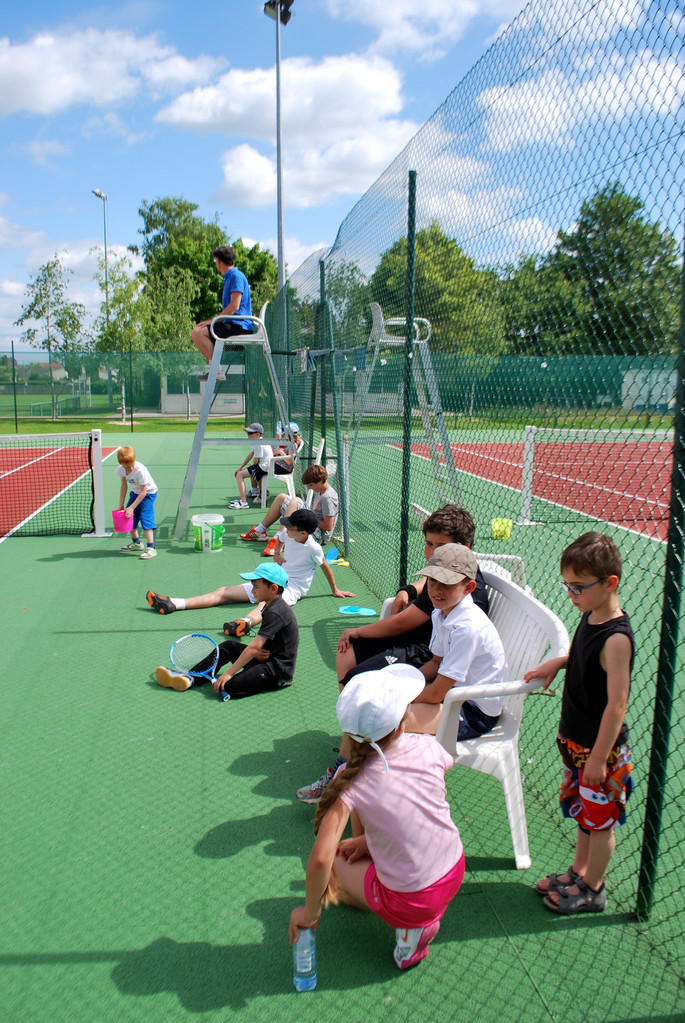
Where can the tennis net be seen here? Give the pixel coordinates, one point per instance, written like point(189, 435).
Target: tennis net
point(51, 484)
point(620, 477)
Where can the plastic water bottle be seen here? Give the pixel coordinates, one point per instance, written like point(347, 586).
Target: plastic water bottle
point(304, 961)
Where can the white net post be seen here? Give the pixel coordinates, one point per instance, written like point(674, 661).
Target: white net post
point(98, 488)
point(527, 479)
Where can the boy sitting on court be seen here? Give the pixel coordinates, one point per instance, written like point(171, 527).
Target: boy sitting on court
point(261, 455)
point(268, 661)
point(593, 736)
point(298, 552)
point(325, 507)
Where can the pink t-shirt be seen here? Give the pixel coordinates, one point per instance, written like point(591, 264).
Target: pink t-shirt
point(409, 829)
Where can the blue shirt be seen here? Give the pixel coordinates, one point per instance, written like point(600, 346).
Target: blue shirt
point(235, 280)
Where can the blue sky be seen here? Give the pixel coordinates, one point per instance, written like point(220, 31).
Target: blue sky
point(150, 99)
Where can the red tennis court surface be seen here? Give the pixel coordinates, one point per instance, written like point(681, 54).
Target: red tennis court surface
point(32, 477)
point(626, 483)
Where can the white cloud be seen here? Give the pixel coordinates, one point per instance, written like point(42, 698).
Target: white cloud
point(312, 175)
point(42, 150)
point(111, 124)
point(328, 148)
point(249, 178)
point(323, 98)
point(549, 109)
point(19, 236)
point(54, 71)
point(427, 28)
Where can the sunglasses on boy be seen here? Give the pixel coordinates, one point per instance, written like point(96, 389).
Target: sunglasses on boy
point(577, 590)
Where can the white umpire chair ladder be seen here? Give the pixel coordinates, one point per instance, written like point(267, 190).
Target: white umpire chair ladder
point(430, 406)
point(258, 337)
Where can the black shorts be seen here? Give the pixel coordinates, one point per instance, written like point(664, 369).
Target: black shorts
point(416, 654)
point(256, 472)
point(227, 328)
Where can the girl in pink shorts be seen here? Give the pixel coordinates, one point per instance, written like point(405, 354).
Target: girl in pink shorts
point(405, 860)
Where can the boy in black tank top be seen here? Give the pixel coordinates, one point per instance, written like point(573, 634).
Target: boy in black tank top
point(593, 736)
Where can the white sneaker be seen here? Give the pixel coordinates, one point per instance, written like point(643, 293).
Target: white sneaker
point(412, 944)
point(238, 504)
point(313, 793)
point(170, 680)
point(149, 552)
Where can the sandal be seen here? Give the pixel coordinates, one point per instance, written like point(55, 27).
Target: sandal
point(585, 900)
point(555, 884)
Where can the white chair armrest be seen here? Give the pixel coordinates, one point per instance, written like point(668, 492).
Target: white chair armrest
point(448, 725)
point(500, 689)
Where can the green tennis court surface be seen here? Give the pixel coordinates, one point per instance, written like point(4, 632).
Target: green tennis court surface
point(152, 848)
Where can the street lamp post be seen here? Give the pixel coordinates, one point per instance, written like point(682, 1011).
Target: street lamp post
point(101, 195)
point(279, 10)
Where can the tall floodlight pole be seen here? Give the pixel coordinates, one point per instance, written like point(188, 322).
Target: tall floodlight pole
point(101, 195)
point(279, 10)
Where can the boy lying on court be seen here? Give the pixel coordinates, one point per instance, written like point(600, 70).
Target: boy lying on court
point(268, 661)
point(297, 551)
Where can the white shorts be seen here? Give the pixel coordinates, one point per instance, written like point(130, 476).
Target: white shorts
point(290, 595)
point(286, 503)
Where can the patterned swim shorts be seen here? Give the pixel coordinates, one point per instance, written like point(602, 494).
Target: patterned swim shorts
point(594, 807)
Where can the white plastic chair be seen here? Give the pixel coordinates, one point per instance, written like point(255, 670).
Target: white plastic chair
point(530, 633)
point(283, 479)
point(292, 480)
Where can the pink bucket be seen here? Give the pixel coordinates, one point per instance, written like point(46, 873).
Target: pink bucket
point(123, 522)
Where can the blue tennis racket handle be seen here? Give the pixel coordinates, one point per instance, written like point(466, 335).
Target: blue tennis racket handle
point(224, 696)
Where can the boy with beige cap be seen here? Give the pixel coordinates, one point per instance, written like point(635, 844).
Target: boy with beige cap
point(466, 646)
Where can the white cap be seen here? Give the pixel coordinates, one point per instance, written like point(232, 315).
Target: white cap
point(373, 703)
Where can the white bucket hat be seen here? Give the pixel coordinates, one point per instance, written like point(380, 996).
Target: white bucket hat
point(373, 703)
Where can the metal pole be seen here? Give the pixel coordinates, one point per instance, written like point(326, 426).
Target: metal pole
point(279, 167)
point(342, 478)
point(668, 649)
point(408, 356)
point(14, 390)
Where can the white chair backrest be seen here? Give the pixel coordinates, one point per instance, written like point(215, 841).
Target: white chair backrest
point(529, 631)
point(530, 634)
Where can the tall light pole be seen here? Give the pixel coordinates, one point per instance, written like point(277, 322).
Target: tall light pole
point(101, 195)
point(279, 10)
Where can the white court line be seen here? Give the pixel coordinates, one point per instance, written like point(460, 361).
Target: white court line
point(33, 461)
point(554, 504)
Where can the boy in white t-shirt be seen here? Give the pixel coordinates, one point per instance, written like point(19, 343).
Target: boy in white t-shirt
point(298, 552)
point(261, 455)
point(141, 502)
point(466, 646)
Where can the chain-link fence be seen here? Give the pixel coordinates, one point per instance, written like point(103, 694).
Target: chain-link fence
point(531, 231)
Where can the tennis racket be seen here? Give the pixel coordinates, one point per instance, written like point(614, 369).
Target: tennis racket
point(197, 655)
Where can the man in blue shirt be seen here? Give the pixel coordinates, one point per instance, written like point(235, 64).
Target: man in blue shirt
point(235, 299)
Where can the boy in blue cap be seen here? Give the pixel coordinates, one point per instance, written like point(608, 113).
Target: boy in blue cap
point(268, 661)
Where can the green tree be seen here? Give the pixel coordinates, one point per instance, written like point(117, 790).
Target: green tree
point(348, 294)
point(166, 315)
point(626, 270)
point(610, 286)
point(59, 323)
point(118, 325)
point(538, 304)
point(460, 300)
point(175, 236)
